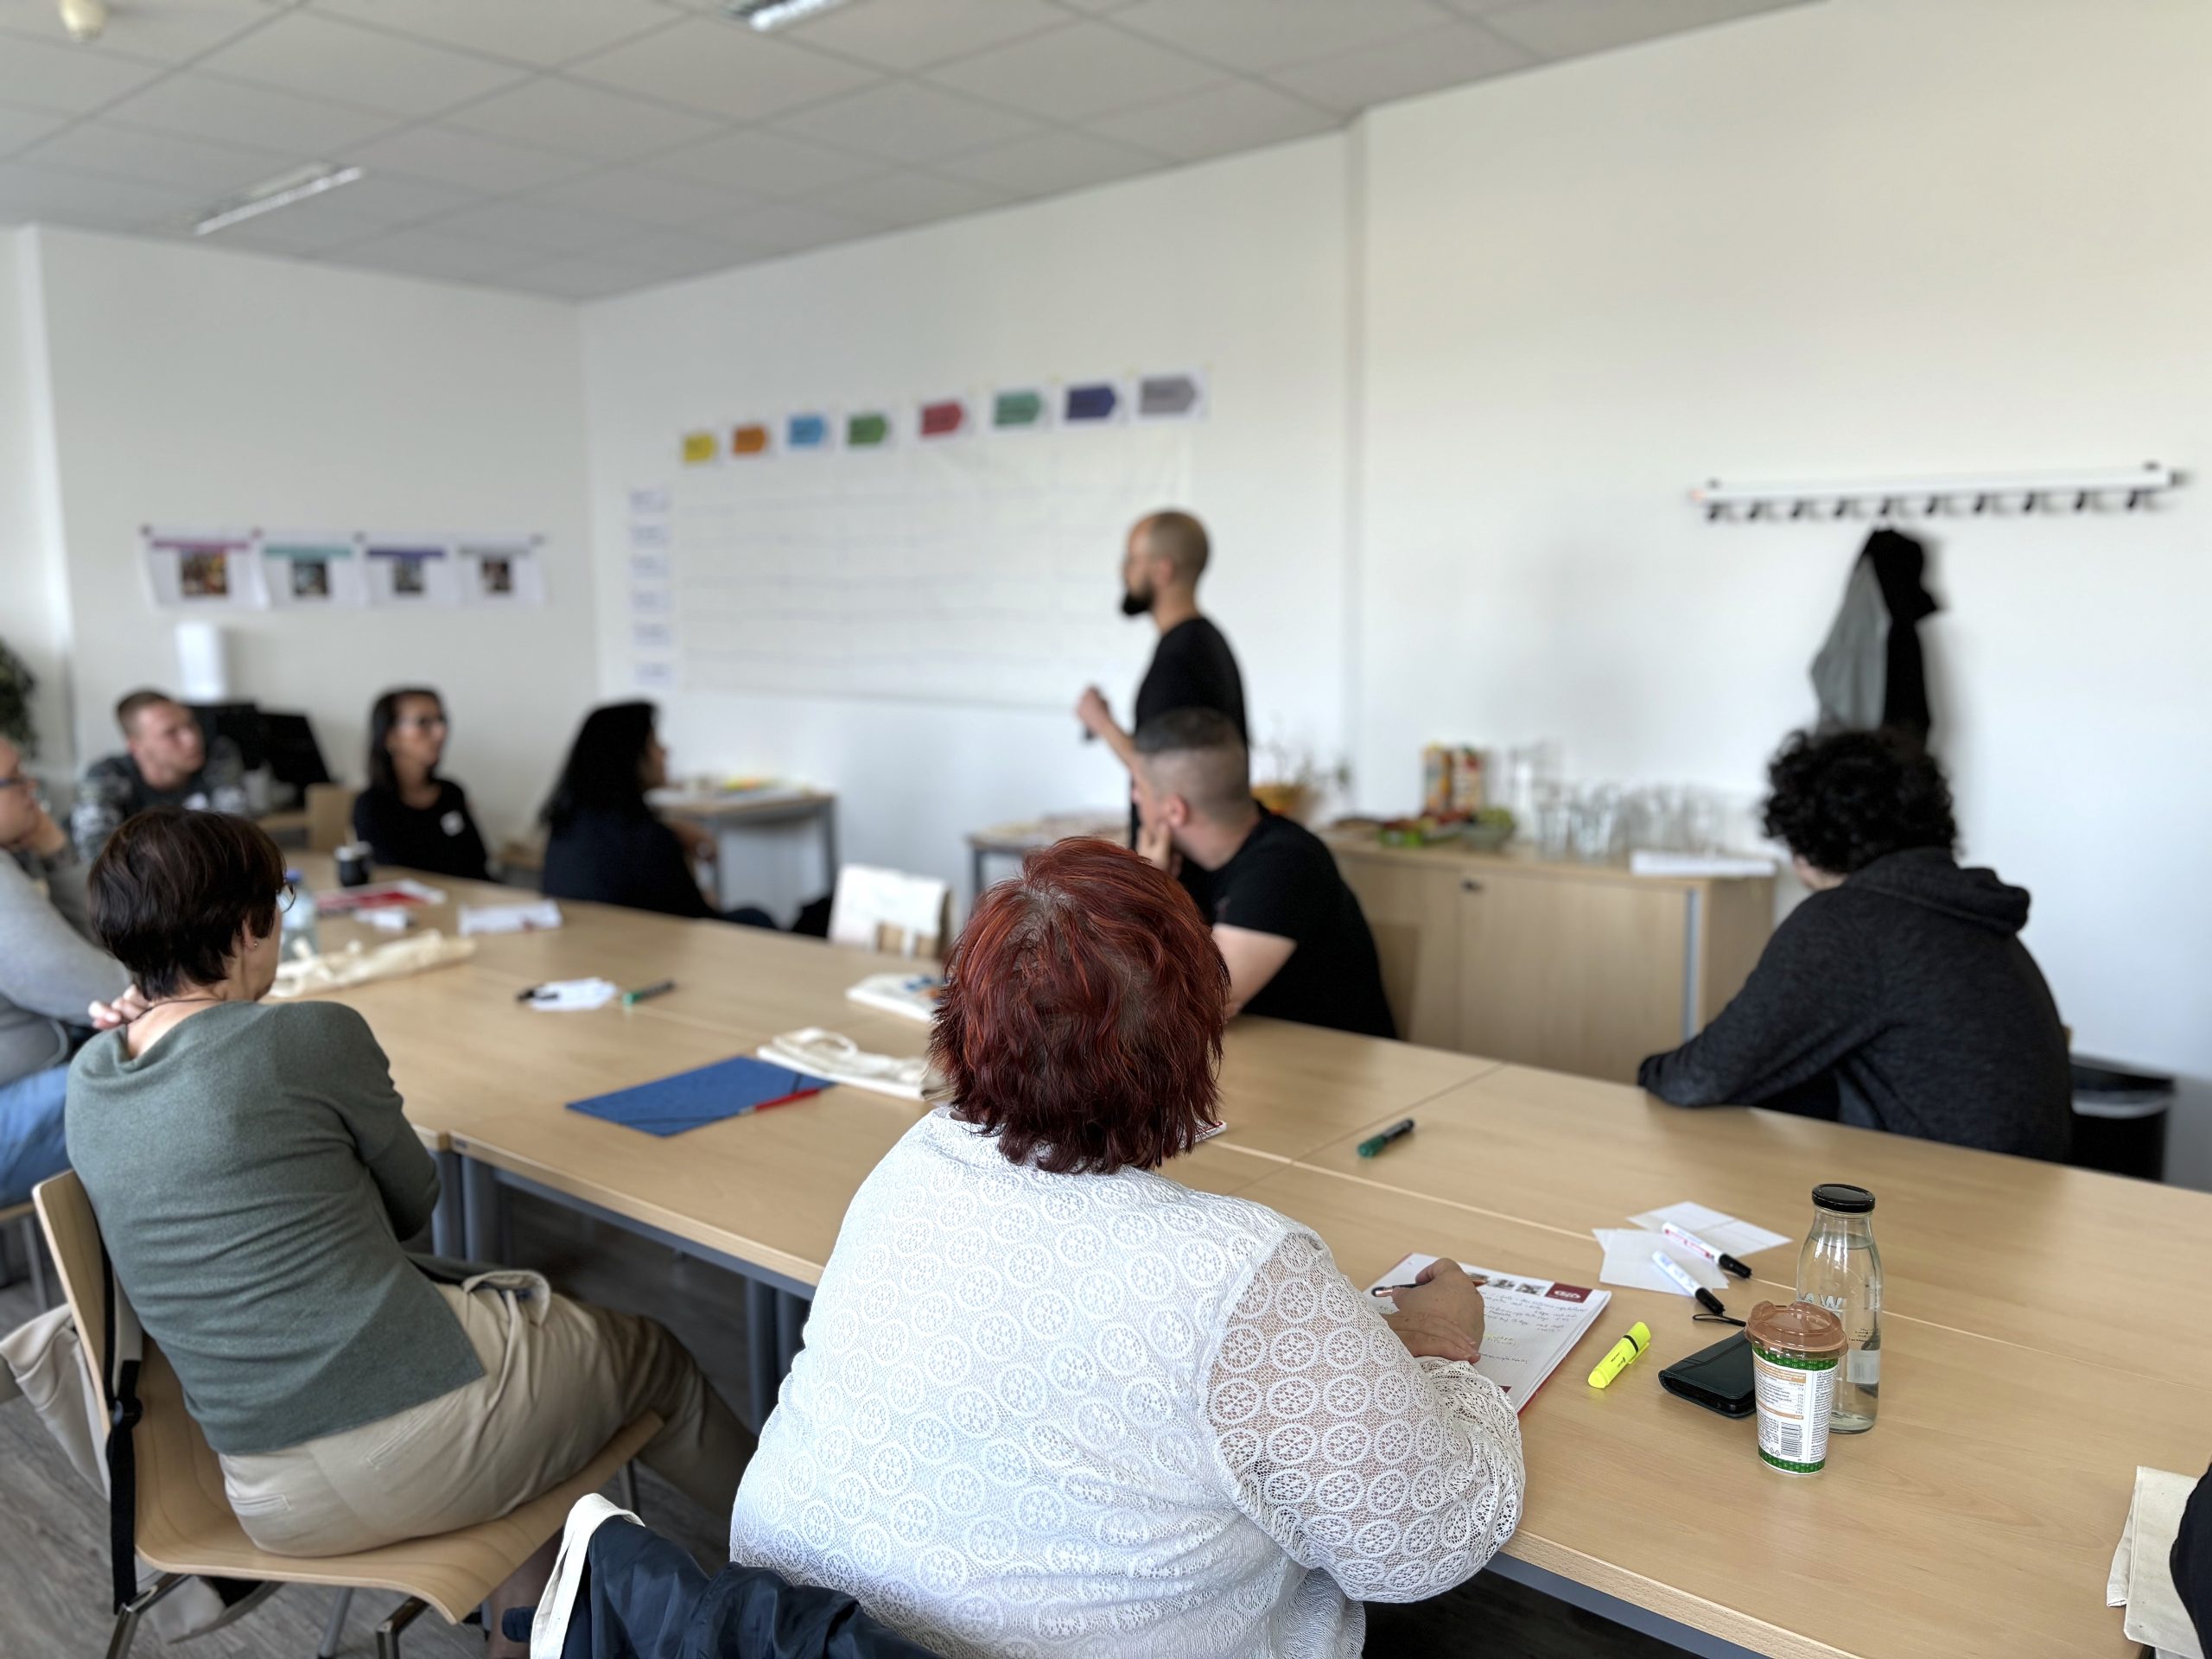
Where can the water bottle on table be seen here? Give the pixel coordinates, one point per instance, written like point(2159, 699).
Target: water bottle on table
point(296, 916)
point(1839, 1269)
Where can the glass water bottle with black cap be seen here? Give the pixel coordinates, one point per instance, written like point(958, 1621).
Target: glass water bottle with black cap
point(1839, 1269)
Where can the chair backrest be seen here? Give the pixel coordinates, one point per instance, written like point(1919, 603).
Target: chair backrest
point(888, 910)
point(330, 817)
point(72, 1238)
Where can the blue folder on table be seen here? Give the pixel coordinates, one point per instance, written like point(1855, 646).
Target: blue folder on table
point(726, 1088)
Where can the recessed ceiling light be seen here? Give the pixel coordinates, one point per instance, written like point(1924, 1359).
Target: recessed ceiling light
point(765, 15)
point(271, 193)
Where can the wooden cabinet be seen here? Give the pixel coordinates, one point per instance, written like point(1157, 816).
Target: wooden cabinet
point(1572, 967)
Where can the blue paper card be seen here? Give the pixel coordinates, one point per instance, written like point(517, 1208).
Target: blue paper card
point(726, 1088)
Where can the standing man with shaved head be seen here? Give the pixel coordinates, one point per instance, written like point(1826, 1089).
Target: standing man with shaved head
point(1192, 666)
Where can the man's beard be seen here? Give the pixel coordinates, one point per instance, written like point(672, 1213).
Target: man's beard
point(1135, 604)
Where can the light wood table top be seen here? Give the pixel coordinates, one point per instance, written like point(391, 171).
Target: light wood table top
point(2068, 1260)
point(1978, 1518)
point(2037, 1344)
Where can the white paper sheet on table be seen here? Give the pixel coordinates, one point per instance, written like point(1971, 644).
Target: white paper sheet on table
point(573, 996)
point(1529, 1325)
point(1724, 1232)
point(534, 917)
point(2141, 1580)
point(1628, 1262)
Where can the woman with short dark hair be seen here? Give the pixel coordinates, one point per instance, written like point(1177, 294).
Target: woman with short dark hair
point(1052, 1399)
point(1898, 996)
point(409, 815)
point(254, 1176)
point(604, 842)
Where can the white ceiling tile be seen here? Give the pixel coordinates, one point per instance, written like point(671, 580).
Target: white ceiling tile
point(905, 121)
point(908, 197)
point(765, 163)
point(20, 126)
point(157, 31)
point(394, 199)
point(787, 227)
point(543, 32)
point(162, 158)
point(73, 79)
point(1077, 73)
point(1257, 36)
point(324, 58)
point(437, 253)
point(465, 159)
point(230, 112)
point(28, 192)
point(1237, 115)
point(1098, 6)
point(1479, 7)
point(1426, 62)
point(536, 229)
point(1566, 29)
point(723, 68)
point(1051, 160)
point(646, 198)
point(583, 121)
point(665, 259)
point(315, 226)
point(915, 33)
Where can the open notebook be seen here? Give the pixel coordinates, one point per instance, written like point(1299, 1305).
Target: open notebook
point(1529, 1325)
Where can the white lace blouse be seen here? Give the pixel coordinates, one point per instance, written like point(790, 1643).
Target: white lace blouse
point(1106, 1414)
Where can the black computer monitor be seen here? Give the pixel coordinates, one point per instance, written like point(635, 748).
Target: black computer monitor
point(241, 723)
point(294, 758)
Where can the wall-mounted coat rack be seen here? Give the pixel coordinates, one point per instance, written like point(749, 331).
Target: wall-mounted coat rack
point(2126, 489)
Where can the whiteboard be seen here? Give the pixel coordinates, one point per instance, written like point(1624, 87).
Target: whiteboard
point(979, 568)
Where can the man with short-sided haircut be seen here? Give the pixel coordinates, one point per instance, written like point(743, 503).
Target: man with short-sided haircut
point(1297, 944)
point(1192, 666)
point(166, 763)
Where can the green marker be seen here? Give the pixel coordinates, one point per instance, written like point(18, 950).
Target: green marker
point(1374, 1143)
point(659, 987)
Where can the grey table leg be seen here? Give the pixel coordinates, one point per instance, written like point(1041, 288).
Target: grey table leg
point(974, 877)
point(485, 1208)
point(829, 845)
point(448, 1222)
point(761, 1348)
point(790, 1329)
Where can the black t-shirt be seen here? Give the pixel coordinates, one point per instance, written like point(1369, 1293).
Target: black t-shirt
point(1192, 667)
point(1284, 881)
point(631, 859)
point(440, 839)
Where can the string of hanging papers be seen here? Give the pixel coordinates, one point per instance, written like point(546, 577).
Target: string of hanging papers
point(255, 569)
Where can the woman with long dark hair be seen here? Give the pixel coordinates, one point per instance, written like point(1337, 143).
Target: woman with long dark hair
point(409, 815)
point(604, 842)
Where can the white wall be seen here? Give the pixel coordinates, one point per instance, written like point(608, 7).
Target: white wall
point(1864, 238)
point(199, 387)
point(34, 617)
point(1239, 265)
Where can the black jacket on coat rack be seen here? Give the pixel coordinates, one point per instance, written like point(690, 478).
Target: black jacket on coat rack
point(1899, 562)
point(1869, 671)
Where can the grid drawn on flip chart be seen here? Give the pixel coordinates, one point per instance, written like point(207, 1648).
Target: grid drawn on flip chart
point(933, 571)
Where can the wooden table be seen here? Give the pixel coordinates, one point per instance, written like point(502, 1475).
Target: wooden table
point(2039, 1331)
point(1027, 834)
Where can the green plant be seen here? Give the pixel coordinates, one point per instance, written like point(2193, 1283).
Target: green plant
point(16, 684)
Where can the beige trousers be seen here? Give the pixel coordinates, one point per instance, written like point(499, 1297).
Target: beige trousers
point(559, 1378)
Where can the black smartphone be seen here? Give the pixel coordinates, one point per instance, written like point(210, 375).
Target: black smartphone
point(1719, 1378)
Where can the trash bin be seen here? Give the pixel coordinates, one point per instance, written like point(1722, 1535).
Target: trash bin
point(2120, 1119)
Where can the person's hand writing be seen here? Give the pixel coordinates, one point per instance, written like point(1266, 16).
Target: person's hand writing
point(1440, 1313)
point(1156, 846)
point(1092, 710)
point(106, 1016)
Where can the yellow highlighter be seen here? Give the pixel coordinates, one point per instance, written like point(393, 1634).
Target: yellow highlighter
point(1625, 1352)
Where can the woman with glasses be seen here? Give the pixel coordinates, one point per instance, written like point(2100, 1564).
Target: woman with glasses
point(255, 1176)
point(409, 815)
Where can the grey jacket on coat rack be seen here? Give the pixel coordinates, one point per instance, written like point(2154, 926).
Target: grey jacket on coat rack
point(1870, 673)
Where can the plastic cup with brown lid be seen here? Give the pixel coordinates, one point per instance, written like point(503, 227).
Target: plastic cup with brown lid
point(1795, 1349)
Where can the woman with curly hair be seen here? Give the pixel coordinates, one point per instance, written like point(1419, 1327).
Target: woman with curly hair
point(1898, 996)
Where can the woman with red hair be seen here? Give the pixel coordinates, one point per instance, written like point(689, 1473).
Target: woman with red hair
point(1053, 1401)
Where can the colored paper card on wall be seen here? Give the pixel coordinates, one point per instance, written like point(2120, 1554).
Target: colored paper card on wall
point(1172, 397)
point(1022, 408)
point(751, 439)
point(699, 449)
point(868, 431)
point(945, 418)
point(807, 432)
point(1092, 402)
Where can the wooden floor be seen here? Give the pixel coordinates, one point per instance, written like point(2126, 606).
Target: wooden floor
point(54, 1526)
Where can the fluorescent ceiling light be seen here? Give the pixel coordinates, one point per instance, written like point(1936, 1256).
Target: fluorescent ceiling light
point(765, 15)
point(271, 193)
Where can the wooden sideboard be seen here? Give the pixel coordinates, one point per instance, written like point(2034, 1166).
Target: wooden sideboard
point(1573, 967)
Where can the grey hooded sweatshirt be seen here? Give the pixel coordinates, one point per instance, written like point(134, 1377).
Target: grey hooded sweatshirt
point(1905, 997)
